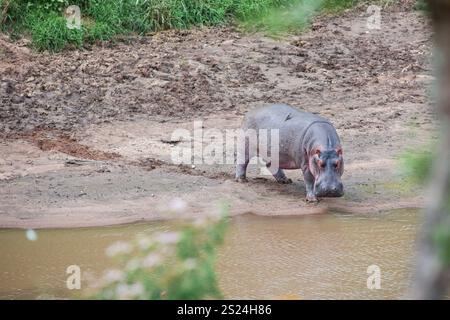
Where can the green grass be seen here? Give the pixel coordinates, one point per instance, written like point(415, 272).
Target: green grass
point(49, 31)
point(44, 22)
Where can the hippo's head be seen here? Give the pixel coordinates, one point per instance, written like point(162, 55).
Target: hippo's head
point(327, 167)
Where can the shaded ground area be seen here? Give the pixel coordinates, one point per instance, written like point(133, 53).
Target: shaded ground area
point(87, 135)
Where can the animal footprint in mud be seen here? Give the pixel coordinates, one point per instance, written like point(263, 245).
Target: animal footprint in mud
point(285, 181)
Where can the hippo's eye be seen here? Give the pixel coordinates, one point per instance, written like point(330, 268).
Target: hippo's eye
point(321, 163)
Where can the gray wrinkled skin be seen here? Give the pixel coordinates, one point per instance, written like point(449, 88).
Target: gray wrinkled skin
point(307, 142)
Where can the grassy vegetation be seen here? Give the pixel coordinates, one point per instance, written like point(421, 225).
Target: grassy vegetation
point(45, 23)
point(49, 31)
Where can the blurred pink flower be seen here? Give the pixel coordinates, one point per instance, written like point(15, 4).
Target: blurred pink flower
point(124, 291)
point(120, 247)
point(167, 237)
point(112, 275)
point(151, 260)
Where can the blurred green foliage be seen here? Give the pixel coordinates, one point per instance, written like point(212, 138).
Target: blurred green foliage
point(289, 17)
point(421, 5)
point(295, 15)
point(441, 238)
point(166, 265)
point(416, 164)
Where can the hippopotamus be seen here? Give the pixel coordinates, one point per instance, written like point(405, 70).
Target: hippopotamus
point(306, 141)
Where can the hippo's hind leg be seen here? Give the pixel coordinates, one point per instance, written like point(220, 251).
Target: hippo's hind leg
point(242, 160)
point(279, 175)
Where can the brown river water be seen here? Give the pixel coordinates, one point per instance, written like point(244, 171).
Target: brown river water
point(310, 257)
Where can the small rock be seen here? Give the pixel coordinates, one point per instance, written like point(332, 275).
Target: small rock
point(227, 42)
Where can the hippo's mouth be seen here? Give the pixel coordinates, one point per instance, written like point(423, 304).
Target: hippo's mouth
point(330, 194)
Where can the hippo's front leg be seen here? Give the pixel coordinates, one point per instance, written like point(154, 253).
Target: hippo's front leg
point(309, 184)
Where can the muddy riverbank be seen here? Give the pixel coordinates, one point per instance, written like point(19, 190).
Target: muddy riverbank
point(86, 135)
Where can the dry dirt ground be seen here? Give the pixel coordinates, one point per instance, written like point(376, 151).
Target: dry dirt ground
point(86, 135)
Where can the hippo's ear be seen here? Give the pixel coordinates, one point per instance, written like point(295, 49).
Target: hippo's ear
point(317, 152)
point(339, 151)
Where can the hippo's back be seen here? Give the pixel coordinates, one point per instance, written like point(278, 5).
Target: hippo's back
point(279, 116)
